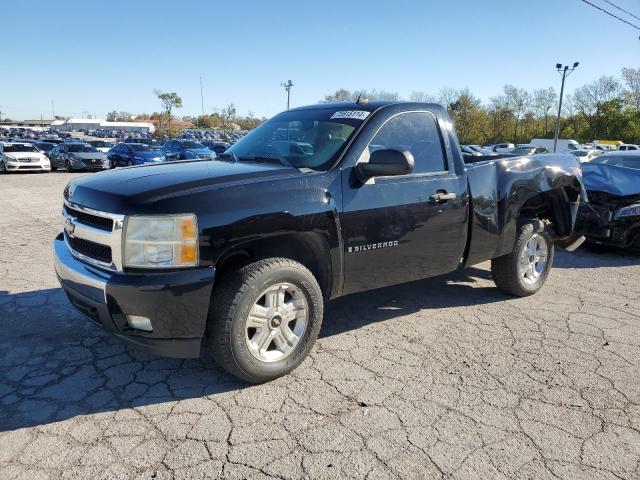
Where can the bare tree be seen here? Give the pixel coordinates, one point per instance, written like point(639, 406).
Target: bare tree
point(340, 95)
point(422, 97)
point(518, 100)
point(544, 100)
point(228, 114)
point(447, 96)
point(631, 78)
point(590, 98)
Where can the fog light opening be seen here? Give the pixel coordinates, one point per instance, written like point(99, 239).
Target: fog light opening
point(139, 323)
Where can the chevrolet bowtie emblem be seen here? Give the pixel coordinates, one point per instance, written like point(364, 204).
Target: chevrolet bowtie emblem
point(69, 226)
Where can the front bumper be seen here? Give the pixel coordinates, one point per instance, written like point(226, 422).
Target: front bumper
point(16, 166)
point(176, 302)
point(596, 222)
point(85, 164)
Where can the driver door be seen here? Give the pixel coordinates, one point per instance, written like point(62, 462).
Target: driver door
point(394, 228)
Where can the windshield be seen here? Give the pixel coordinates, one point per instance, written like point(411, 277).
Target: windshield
point(192, 145)
point(619, 161)
point(101, 144)
point(20, 148)
point(523, 150)
point(312, 139)
point(45, 147)
point(80, 148)
point(138, 147)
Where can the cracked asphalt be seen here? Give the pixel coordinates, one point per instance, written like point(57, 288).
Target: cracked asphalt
point(441, 378)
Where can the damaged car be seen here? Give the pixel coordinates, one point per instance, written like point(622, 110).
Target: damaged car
point(612, 216)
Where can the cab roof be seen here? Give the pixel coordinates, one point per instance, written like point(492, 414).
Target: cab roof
point(370, 106)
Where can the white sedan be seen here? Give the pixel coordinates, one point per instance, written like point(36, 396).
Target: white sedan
point(586, 155)
point(22, 157)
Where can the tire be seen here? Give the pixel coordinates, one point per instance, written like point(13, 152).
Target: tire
point(129, 163)
point(3, 168)
point(509, 271)
point(67, 166)
point(230, 338)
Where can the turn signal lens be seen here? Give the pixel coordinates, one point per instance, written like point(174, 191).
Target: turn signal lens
point(188, 253)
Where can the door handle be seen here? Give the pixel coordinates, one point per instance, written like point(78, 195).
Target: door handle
point(442, 197)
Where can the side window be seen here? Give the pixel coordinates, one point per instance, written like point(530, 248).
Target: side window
point(416, 132)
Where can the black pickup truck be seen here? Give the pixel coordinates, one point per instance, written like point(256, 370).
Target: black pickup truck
point(236, 256)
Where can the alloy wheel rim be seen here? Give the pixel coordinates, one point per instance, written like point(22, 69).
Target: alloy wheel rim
point(276, 322)
point(533, 259)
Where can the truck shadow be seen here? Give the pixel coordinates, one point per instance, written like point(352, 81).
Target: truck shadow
point(55, 365)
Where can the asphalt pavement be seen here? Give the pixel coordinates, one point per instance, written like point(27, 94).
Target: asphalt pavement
point(440, 378)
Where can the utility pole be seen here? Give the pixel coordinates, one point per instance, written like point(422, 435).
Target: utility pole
point(201, 96)
point(564, 71)
point(287, 86)
point(53, 112)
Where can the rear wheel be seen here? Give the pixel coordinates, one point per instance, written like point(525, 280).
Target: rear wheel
point(524, 271)
point(264, 319)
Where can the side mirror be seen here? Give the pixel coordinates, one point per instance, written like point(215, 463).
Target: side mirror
point(385, 163)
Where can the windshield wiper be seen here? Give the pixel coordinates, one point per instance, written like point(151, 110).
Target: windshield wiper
point(258, 158)
point(227, 156)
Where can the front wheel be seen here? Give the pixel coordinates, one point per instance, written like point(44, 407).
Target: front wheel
point(3, 167)
point(523, 271)
point(67, 166)
point(264, 319)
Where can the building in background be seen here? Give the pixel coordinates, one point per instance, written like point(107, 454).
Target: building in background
point(96, 123)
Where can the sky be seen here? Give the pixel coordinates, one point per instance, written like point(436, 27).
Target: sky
point(95, 57)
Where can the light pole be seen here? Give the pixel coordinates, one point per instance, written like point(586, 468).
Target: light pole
point(287, 86)
point(565, 71)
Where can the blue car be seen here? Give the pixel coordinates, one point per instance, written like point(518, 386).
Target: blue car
point(186, 150)
point(218, 147)
point(127, 154)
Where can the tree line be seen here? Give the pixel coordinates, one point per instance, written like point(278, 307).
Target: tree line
point(608, 108)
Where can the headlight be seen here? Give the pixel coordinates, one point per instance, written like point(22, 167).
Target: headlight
point(161, 241)
point(630, 211)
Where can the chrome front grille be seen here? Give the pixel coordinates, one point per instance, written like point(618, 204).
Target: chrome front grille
point(92, 236)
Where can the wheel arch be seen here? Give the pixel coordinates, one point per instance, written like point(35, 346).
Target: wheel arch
point(308, 248)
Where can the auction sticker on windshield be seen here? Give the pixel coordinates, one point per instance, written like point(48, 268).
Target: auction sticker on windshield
point(356, 114)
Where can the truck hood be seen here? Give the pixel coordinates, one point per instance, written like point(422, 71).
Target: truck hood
point(133, 189)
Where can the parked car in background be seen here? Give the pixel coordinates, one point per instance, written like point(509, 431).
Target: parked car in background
point(528, 150)
point(612, 216)
point(128, 154)
point(147, 141)
point(186, 150)
point(218, 147)
point(483, 151)
point(77, 156)
point(503, 147)
point(45, 147)
point(101, 145)
point(467, 150)
point(22, 157)
point(625, 147)
point(586, 155)
point(564, 145)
